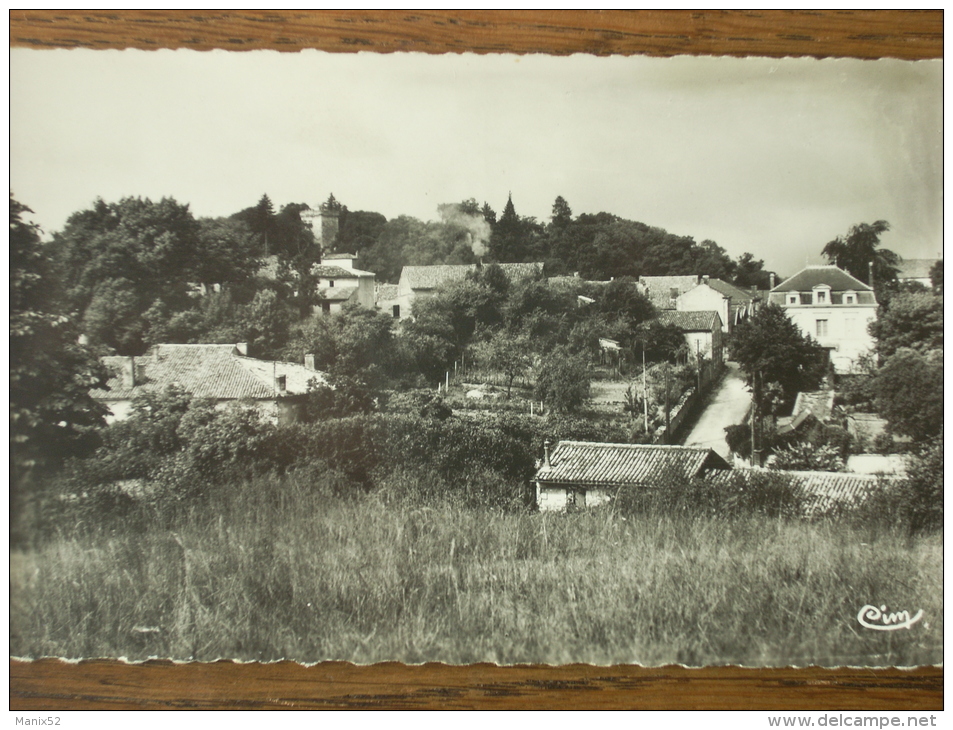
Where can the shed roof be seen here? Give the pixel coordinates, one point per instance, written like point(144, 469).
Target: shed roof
point(703, 321)
point(616, 465)
point(205, 371)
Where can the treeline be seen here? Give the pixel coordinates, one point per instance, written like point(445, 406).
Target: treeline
point(130, 272)
point(597, 246)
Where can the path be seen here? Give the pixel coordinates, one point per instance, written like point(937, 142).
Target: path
point(726, 407)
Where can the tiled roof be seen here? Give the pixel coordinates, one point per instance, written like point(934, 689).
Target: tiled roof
point(836, 278)
point(659, 288)
point(820, 403)
point(430, 277)
point(581, 462)
point(731, 291)
point(691, 321)
point(821, 490)
point(338, 272)
point(337, 293)
point(915, 268)
point(205, 371)
point(386, 292)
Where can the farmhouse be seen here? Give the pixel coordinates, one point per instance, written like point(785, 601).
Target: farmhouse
point(702, 332)
point(833, 308)
point(222, 373)
point(579, 474)
point(422, 281)
point(340, 282)
point(733, 305)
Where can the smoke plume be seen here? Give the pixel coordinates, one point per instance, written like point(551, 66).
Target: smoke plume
point(478, 230)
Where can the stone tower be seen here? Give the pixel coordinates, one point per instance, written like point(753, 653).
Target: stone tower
point(330, 213)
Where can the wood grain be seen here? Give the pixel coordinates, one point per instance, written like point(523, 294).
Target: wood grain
point(104, 685)
point(861, 34)
point(54, 685)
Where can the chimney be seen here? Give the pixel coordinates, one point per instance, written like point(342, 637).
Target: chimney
point(546, 444)
point(128, 372)
point(309, 361)
point(870, 276)
point(242, 348)
point(281, 383)
point(771, 285)
point(705, 279)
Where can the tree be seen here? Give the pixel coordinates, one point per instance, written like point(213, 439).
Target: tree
point(856, 251)
point(354, 343)
point(260, 219)
point(907, 391)
point(770, 348)
point(509, 353)
point(226, 252)
point(562, 381)
point(514, 238)
point(138, 250)
point(936, 276)
point(52, 413)
point(913, 320)
point(750, 272)
point(562, 213)
point(712, 260)
point(625, 301)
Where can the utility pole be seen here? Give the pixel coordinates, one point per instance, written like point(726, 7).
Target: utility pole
point(645, 392)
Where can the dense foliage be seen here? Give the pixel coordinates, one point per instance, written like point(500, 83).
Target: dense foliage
point(52, 414)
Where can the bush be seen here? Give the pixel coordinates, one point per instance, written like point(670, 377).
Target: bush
point(806, 457)
point(748, 493)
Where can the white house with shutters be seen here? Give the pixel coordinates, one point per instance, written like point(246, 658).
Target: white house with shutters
point(834, 308)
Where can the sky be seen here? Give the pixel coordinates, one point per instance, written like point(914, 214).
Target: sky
point(771, 156)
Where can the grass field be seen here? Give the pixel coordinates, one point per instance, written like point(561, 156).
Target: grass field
point(267, 573)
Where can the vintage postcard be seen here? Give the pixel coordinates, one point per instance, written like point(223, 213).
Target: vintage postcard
point(460, 358)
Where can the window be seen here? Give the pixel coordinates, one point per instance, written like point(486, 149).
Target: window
point(793, 299)
point(822, 328)
point(331, 283)
point(821, 298)
point(849, 299)
point(673, 292)
point(396, 311)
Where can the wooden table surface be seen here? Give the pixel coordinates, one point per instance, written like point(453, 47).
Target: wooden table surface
point(54, 685)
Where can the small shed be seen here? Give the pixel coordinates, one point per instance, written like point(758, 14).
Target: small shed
point(578, 474)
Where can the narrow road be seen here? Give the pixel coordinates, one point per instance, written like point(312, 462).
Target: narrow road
point(726, 406)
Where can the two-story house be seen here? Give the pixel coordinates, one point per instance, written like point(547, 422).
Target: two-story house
point(340, 282)
point(733, 304)
point(834, 308)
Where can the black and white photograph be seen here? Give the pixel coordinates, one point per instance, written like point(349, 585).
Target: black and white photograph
point(476, 358)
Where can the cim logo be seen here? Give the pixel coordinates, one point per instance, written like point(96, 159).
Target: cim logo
point(871, 617)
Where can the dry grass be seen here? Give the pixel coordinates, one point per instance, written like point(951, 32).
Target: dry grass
point(285, 572)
